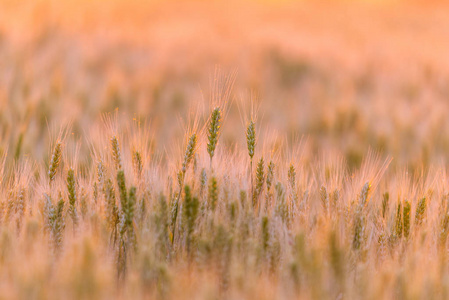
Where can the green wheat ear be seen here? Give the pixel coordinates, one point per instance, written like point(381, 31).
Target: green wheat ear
point(203, 181)
point(129, 215)
point(398, 223)
point(122, 189)
point(112, 212)
point(137, 164)
point(213, 193)
point(251, 138)
point(281, 205)
point(71, 188)
point(406, 217)
point(270, 176)
point(55, 223)
point(213, 132)
point(265, 234)
point(291, 175)
point(444, 230)
point(260, 178)
point(55, 161)
point(385, 200)
point(190, 152)
point(188, 157)
point(269, 182)
point(420, 211)
point(251, 143)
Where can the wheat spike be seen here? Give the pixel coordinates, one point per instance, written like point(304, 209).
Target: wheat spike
point(213, 132)
point(116, 153)
point(55, 161)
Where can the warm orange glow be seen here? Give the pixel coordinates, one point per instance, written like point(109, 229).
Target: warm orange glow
point(251, 149)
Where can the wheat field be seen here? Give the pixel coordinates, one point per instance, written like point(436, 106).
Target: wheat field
point(224, 149)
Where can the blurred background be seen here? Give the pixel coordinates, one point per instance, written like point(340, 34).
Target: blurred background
point(348, 76)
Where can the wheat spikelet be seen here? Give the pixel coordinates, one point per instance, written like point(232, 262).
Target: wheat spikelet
point(71, 188)
point(112, 214)
point(444, 230)
point(291, 175)
point(270, 176)
point(359, 231)
point(251, 145)
point(84, 202)
point(129, 211)
point(385, 201)
point(281, 205)
point(55, 161)
point(420, 211)
point(269, 185)
point(364, 194)
point(137, 164)
point(116, 155)
point(406, 217)
point(100, 173)
point(143, 206)
point(203, 181)
point(382, 246)
point(122, 190)
point(189, 153)
point(398, 221)
point(213, 193)
point(251, 138)
point(335, 196)
point(127, 236)
point(56, 223)
point(21, 205)
point(129, 216)
point(59, 224)
point(188, 157)
point(48, 212)
point(260, 178)
point(213, 132)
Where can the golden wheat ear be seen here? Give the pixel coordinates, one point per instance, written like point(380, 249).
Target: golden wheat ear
point(116, 155)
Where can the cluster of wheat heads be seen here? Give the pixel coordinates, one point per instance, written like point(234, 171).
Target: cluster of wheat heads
point(207, 223)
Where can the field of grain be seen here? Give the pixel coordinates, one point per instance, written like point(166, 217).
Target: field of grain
point(224, 149)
